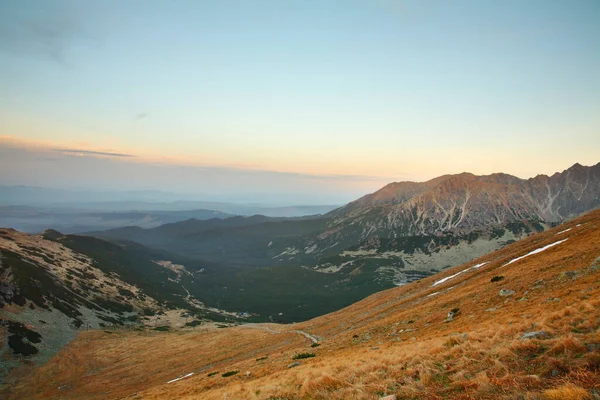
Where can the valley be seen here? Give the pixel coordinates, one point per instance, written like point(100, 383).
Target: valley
point(524, 321)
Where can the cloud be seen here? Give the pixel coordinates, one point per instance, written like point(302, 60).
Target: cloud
point(244, 170)
point(24, 163)
point(90, 152)
point(176, 167)
point(51, 31)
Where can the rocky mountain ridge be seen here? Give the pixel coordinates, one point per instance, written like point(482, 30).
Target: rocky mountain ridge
point(465, 201)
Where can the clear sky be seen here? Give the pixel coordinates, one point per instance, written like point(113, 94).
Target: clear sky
point(335, 98)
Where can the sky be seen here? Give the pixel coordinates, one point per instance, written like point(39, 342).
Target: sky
point(325, 99)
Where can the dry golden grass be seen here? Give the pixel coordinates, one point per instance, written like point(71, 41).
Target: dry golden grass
point(566, 392)
point(394, 342)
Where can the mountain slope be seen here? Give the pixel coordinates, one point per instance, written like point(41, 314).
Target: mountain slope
point(53, 286)
point(525, 322)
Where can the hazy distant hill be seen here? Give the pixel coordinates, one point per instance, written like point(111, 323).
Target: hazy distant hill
point(37, 219)
point(152, 201)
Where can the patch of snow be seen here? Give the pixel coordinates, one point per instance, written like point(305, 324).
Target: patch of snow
point(310, 249)
point(270, 244)
point(181, 377)
point(535, 251)
point(433, 294)
point(334, 268)
point(566, 230)
point(357, 253)
point(290, 251)
point(448, 277)
point(458, 273)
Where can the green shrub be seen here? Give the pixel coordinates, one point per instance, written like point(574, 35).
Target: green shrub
point(213, 374)
point(230, 373)
point(300, 356)
point(315, 345)
point(162, 328)
point(496, 278)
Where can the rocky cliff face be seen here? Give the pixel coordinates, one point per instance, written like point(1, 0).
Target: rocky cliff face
point(464, 202)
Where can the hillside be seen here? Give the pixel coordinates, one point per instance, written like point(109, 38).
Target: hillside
point(521, 322)
point(53, 286)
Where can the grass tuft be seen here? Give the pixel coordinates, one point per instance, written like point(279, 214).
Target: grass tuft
point(300, 356)
point(567, 391)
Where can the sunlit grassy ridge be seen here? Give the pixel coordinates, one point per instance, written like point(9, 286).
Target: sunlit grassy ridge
point(399, 341)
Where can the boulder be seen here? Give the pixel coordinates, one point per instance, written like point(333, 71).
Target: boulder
point(537, 335)
point(506, 292)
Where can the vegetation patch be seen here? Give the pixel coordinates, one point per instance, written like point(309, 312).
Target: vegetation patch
point(230, 373)
point(497, 278)
point(21, 338)
point(164, 328)
point(300, 356)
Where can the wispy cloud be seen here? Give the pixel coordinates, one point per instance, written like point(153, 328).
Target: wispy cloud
point(50, 34)
point(90, 152)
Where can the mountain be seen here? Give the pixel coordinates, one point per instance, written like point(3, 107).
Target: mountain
point(520, 322)
point(465, 202)
point(401, 233)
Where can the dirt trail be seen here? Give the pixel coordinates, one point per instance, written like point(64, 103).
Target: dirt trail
point(312, 338)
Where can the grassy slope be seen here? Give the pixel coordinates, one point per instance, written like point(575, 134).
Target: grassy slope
point(393, 342)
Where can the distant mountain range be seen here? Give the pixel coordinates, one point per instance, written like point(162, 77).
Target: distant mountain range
point(37, 219)
point(150, 200)
point(34, 209)
point(404, 230)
